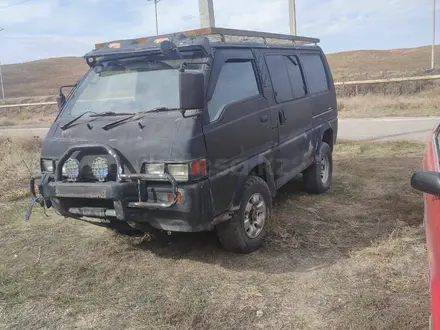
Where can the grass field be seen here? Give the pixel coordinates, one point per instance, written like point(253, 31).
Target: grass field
point(353, 258)
point(422, 104)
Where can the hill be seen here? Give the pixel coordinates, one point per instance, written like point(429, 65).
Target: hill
point(368, 64)
point(44, 77)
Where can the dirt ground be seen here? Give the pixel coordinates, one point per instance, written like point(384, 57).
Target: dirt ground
point(353, 258)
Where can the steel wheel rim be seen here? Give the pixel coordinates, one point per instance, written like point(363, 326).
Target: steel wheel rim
point(325, 169)
point(255, 215)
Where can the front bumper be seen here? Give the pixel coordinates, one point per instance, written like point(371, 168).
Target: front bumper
point(132, 197)
point(193, 212)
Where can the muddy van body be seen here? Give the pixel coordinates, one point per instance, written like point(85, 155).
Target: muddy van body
point(188, 132)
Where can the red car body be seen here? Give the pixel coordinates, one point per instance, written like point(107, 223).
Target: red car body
point(428, 181)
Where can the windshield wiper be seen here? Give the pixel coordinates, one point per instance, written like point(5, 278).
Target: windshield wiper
point(74, 120)
point(112, 114)
point(160, 109)
point(136, 116)
point(94, 114)
point(117, 122)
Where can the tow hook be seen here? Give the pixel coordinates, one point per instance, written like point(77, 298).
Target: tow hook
point(37, 198)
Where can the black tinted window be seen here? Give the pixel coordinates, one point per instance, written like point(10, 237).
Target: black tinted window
point(315, 73)
point(280, 78)
point(296, 77)
point(237, 81)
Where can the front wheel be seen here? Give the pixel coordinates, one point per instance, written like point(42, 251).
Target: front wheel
point(318, 177)
point(246, 231)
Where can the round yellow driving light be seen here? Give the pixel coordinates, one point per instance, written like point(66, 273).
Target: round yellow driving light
point(100, 168)
point(71, 169)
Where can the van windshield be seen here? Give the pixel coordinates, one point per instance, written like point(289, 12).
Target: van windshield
point(128, 86)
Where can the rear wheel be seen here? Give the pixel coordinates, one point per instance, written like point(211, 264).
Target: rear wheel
point(246, 231)
point(318, 177)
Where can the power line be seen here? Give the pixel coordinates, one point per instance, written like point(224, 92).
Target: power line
point(15, 4)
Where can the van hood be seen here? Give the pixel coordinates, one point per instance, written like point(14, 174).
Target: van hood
point(158, 137)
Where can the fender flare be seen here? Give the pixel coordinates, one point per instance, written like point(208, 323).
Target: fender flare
point(246, 169)
point(318, 136)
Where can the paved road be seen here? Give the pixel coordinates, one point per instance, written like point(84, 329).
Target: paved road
point(374, 129)
point(387, 129)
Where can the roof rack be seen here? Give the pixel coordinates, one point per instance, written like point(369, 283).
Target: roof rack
point(221, 35)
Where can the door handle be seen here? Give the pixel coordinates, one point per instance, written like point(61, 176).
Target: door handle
point(282, 117)
point(264, 118)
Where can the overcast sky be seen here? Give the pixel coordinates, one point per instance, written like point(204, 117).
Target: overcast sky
point(39, 29)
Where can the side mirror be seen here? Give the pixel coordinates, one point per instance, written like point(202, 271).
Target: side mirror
point(427, 182)
point(191, 90)
point(61, 99)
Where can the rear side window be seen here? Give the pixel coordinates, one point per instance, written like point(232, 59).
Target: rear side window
point(315, 73)
point(237, 81)
point(287, 77)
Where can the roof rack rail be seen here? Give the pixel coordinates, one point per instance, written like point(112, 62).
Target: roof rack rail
point(217, 35)
point(221, 35)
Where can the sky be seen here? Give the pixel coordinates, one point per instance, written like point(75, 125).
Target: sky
point(38, 29)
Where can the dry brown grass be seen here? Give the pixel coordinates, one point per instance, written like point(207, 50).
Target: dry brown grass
point(353, 258)
point(374, 64)
point(35, 116)
point(19, 159)
point(43, 77)
point(372, 105)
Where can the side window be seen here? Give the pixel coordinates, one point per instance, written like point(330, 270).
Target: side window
point(237, 81)
point(296, 77)
point(280, 78)
point(315, 73)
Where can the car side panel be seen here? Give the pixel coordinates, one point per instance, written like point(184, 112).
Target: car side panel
point(295, 140)
point(432, 227)
point(243, 131)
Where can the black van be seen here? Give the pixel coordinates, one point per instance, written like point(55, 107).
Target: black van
point(188, 132)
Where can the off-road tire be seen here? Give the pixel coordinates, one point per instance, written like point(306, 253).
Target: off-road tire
point(232, 234)
point(313, 182)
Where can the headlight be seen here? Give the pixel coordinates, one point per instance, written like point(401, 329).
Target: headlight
point(47, 165)
point(154, 169)
point(179, 171)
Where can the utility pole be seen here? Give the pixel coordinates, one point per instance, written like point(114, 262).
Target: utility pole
point(1, 78)
point(206, 9)
point(433, 34)
point(155, 13)
point(292, 17)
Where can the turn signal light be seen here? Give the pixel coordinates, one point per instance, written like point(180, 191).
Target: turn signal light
point(171, 198)
point(199, 168)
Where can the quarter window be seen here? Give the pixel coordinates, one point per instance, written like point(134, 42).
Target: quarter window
point(280, 78)
point(296, 77)
point(315, 73)
point(237, 81)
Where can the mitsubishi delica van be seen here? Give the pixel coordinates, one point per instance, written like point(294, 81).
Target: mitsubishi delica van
point(192, 131)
